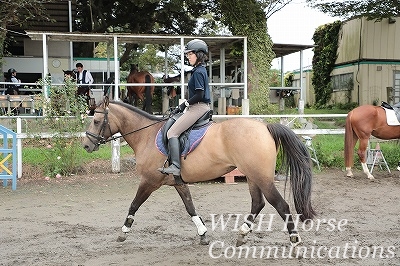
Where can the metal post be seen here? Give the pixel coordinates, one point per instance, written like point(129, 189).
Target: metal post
point(115, 144)
point(19, 147)
point(302, 91)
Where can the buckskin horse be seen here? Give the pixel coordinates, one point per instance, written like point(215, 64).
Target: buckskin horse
point(245, 143)
point(361, 123)
point(141, 92)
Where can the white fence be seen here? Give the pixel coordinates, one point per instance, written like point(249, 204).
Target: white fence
point(18, 126)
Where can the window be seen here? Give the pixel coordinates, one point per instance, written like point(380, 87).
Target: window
point(342, 82)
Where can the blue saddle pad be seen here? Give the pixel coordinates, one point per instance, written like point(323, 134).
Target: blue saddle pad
point(195, 137)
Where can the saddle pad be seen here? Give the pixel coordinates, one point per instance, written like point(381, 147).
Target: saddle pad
point(391, 118)
point(195, 137)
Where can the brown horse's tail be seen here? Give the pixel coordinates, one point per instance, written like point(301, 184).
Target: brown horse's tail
point(348, 142)
point(297, 162)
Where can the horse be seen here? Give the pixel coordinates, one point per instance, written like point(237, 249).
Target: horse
point(82, 91)
point(361, 123)
point(143, 93)
point(172, 91)
point(243, 143)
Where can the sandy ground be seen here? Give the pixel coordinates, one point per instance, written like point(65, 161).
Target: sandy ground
point(76, 221)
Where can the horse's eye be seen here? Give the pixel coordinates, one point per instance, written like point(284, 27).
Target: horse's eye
point(96, 122)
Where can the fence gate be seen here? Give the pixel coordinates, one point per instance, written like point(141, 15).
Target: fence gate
point(9, 154)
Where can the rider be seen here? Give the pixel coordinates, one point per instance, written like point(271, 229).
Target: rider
point(196, 106)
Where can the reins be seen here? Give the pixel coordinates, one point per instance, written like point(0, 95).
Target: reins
point(100, 137)
point(117, 137)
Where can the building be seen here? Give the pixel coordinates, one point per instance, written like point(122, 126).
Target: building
point(367, 68)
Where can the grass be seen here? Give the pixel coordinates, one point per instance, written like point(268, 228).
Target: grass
point(329, 148)
point(35, 156)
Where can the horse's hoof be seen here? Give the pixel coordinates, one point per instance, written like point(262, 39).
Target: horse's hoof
point(371, 177)
point(121, 237)
point(294, 239)
point(204, 240)
point(241, 240)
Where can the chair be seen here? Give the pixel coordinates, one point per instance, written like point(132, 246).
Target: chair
point(375, 157)
point(310, 146)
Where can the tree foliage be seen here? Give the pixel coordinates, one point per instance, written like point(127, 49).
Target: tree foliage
point(19, 13)
point(377, 9)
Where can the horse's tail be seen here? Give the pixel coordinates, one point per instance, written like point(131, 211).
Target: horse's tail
point(297, 162)
point(348, 142)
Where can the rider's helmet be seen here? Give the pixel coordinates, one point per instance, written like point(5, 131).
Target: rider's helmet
point(11, 70)
point(195, 46)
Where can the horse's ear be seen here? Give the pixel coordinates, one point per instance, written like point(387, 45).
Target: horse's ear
point(106, 101)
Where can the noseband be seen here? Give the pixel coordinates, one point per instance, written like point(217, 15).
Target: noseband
point(99, 138)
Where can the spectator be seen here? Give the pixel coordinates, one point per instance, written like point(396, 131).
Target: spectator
point(12, 89)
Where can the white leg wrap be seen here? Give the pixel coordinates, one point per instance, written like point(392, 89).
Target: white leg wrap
point(244, 229)
point(366, 171)
point(125, 229)
point(201, 229)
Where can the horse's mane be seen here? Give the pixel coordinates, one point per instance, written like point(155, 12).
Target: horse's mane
point(136, 110)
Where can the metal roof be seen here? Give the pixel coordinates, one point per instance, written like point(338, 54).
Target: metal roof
point(215, 43)
point(281, 49)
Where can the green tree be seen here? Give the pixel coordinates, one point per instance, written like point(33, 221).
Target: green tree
point(15, 13)
point(377, 9)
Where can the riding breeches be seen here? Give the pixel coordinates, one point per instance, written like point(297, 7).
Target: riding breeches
point(189, 117)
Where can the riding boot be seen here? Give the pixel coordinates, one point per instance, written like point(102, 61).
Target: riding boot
point(175, 166)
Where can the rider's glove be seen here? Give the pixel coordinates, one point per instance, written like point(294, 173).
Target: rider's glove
point(176, 111)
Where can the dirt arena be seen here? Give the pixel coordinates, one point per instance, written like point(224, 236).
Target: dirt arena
point(76, 221)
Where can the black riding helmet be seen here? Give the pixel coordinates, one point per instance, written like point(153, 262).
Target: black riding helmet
point(195, 46)
point(11, 70)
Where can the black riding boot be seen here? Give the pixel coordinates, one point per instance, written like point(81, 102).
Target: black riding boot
point(175, 166)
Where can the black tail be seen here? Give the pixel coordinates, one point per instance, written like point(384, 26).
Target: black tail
point(298, 165)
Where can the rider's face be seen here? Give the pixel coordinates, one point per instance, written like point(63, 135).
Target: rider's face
point(191, 57)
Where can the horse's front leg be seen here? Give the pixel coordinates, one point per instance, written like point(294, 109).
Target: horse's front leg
point(184, 193)
point(142, 194)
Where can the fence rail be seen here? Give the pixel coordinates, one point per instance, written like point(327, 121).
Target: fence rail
point(18, 123)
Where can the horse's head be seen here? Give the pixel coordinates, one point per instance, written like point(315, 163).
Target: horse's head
point(100, 129)
point(69, 74)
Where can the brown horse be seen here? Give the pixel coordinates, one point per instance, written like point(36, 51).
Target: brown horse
point(247, 144)
point(143, 93)
point(361, 123)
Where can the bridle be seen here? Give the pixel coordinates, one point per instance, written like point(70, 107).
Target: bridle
point(99, 138)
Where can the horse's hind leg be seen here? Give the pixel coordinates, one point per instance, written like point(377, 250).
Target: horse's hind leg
point(275, 199)
point(362, 155)
point(257, 204)
point(184, 193)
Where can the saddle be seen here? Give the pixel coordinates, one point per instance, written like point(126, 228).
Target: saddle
point(190, 138)
point(392, 113)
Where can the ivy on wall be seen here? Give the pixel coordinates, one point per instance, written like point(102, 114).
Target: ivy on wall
point(325, 54)
point(247, 18)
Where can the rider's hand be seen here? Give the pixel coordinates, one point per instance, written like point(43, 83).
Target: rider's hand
point(176, 111)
